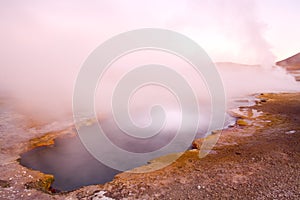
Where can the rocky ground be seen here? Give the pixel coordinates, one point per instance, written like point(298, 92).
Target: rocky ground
point(259, 158)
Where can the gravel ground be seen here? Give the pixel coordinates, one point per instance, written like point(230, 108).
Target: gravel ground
point(258, 159)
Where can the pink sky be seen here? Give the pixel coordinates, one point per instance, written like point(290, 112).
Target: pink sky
point(227, 30)
point(44, 43)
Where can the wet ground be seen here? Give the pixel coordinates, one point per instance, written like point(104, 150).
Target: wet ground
point(257, 159)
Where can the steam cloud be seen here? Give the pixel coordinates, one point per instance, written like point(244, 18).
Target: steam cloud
point(45, 43)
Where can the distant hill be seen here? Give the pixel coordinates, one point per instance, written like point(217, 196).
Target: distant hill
point(291, 63)
point(231, 64)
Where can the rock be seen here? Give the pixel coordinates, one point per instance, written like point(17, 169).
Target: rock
point(210, 139)
point(43, 184)
point(242, 122)
point(45, 140)
point(100, 196)
point(4, 184)
point(263, 100)
point(290, 132)
point(197, 143)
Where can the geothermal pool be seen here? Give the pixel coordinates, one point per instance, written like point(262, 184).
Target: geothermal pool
point(73, 166)
point(70, 163)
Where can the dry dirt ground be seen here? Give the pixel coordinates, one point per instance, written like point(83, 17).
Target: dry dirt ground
point(257, 159)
